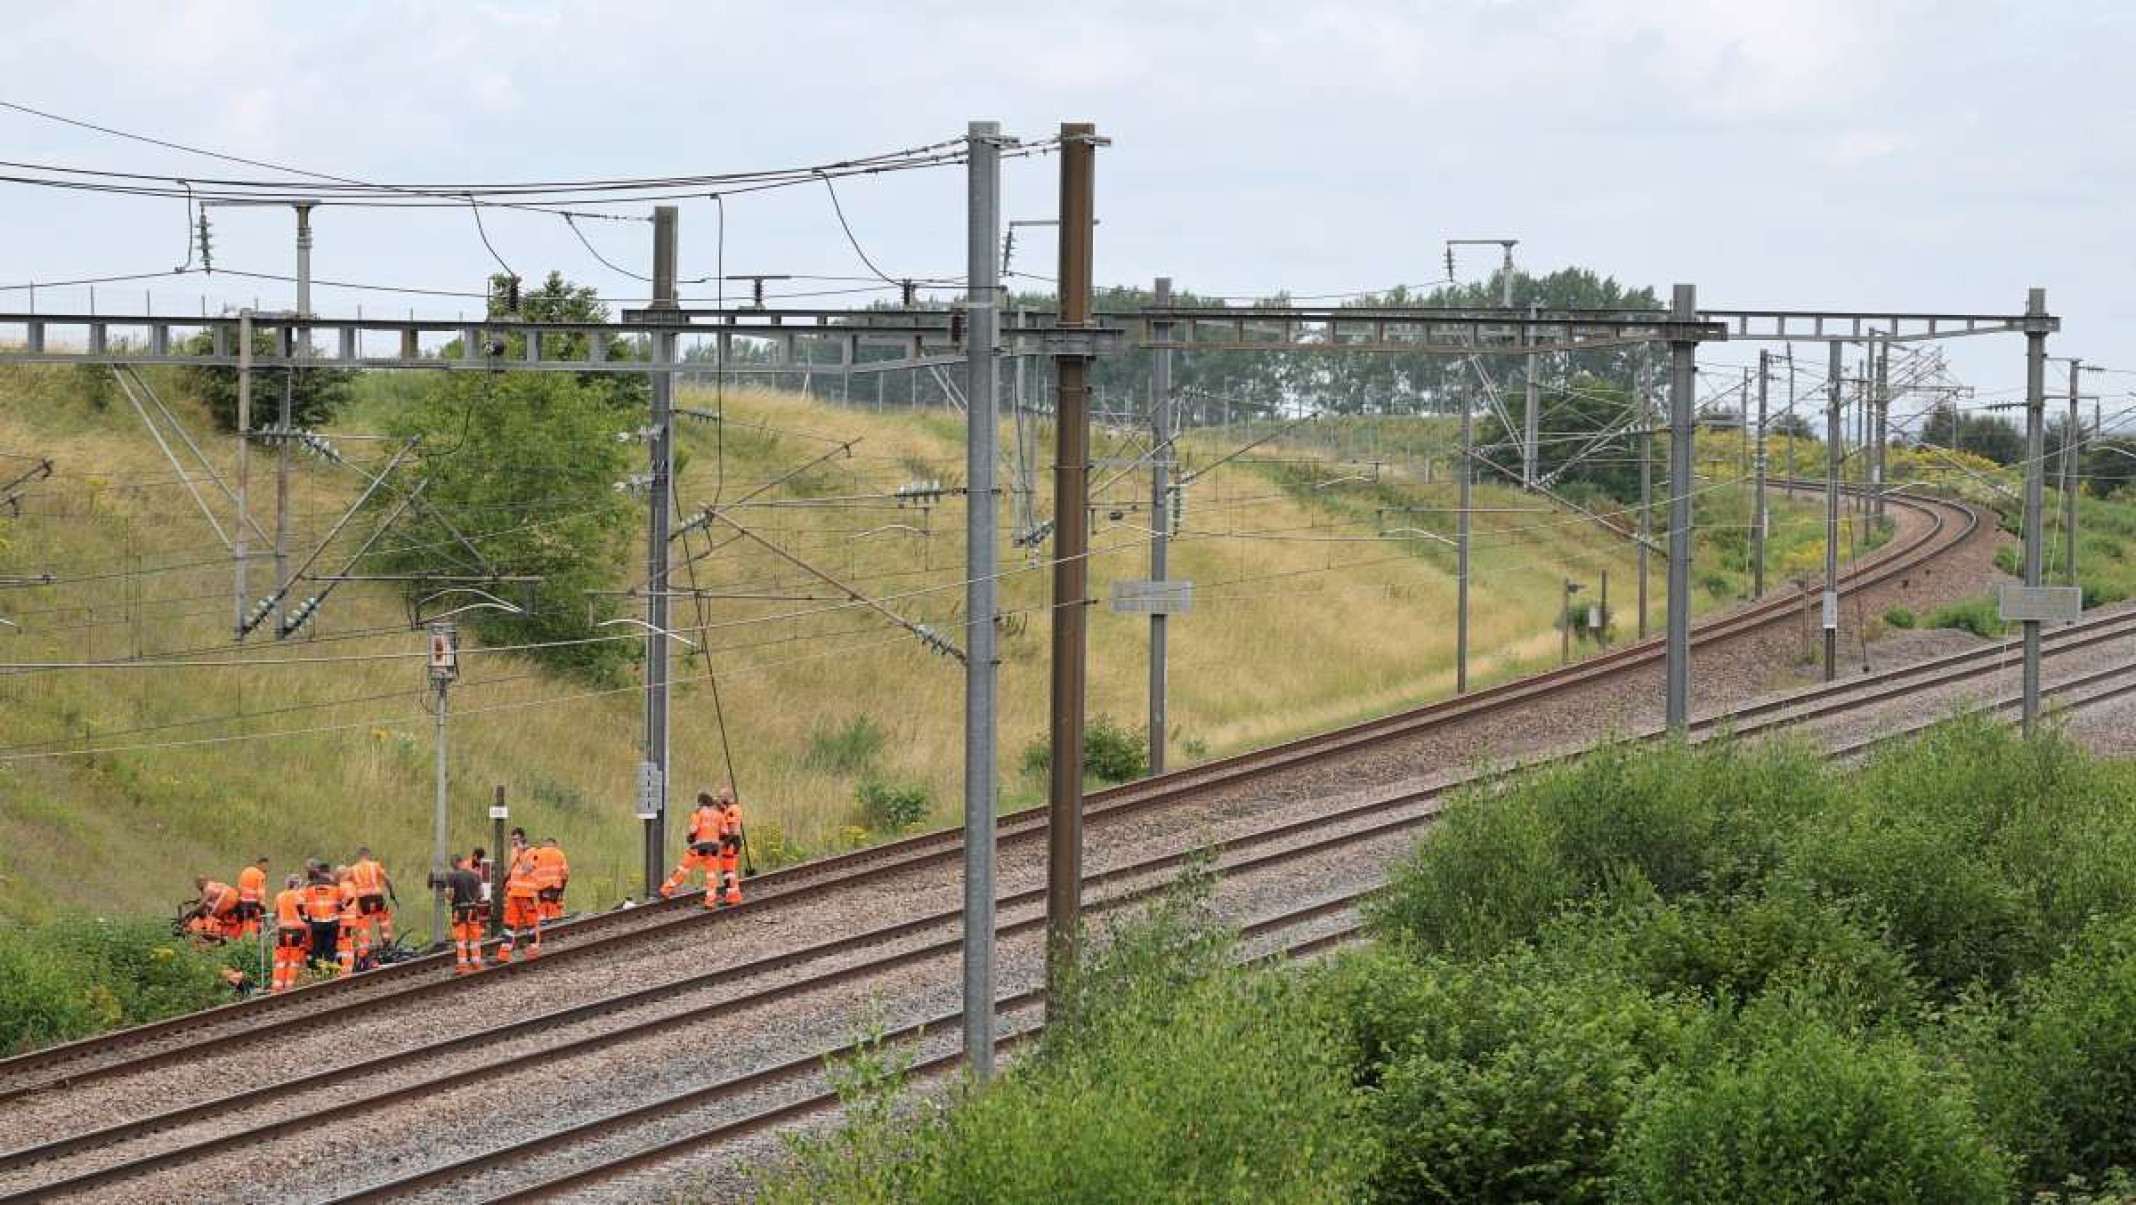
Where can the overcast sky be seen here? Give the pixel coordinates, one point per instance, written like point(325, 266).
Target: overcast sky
point(1922, 156)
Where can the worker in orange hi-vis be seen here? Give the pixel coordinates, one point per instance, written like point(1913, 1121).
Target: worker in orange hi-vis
point(467, 916)
point(700, 851)
point(291, 935)
point(214, 915)
point(552, 873)
point(353, 942)
point(251, 897)
point(730, 849)
point(373, 884)
point(522, 903)
point(322, 913)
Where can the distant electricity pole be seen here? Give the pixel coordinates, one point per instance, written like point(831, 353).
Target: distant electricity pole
point(1161, 431)
point(1683, 384)
point(444, 667)
point(1829, 605)
point(1757, 516)
point(2035, 475)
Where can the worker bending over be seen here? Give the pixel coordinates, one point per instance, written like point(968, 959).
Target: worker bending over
point(214, 914)
point(291, 935)
point(468, 914)
point(522, 902)
point(322, 914)
point(373, 884)
point(700, 851)
point(551, 875)
point(251, 897)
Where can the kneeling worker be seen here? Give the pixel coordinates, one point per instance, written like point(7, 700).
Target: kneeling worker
point(214, 915)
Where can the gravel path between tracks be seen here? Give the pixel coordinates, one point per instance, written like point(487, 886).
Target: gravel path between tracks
point(361, 1149)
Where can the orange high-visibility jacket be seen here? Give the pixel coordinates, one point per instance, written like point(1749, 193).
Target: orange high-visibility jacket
point(730, 820)
point(350, 913)
point(289, 908)
point(218, 899)
point(369, 877)
point(550, 868)
point(322, 903)
point(519, 880)
point(704, 824)
point(252, 885)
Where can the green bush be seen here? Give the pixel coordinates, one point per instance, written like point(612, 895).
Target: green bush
point(1976, 615)
point(1807, 1113)
point(1501, 863)
point(1898, 617)
point(79, 975)
point(847, 748)
point(1511, 1080)
point(2058, 1085)
point(1730, 952)
point(2100, 594)
point(2007, 560)
point(1112, 752)
point(1170, 1075)
point(1982, 853)
point(892, 806)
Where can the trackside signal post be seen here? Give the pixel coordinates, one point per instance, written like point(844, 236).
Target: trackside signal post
point(444, 640)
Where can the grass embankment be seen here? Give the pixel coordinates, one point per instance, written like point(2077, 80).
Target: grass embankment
point(1727, 973)
point(195, 769)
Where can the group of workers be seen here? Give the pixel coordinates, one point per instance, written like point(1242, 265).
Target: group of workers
point(335, 915)
point(715, 847)
point(338, 916)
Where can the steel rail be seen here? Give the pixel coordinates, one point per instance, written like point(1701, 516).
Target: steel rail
point(914, 852)
point(698, 1141)
point(1803, 706)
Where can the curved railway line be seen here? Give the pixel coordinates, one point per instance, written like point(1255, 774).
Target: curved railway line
point(87, 1159)
point(1948, 526)
point(1399, 813)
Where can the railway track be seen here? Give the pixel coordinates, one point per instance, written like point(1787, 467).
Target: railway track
point(469, 1177)
point(1393, 815)
point(200, 1034)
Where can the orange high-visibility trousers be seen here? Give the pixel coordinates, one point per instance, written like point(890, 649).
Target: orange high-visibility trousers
point(522, 927)
point(467, 942)
point(289, 950)
point(730, 881)
point(692, 861)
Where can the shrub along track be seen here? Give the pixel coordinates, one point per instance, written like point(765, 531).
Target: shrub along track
point(1939, 527)
point(1379, 825)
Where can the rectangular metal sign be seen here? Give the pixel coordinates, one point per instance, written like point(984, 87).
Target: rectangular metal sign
point(648, 790)
point(1831, 610)
point(2047, 604)
point(1142, 596)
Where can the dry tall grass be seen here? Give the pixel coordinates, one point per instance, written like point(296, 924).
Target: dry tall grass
point(1302, 620)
